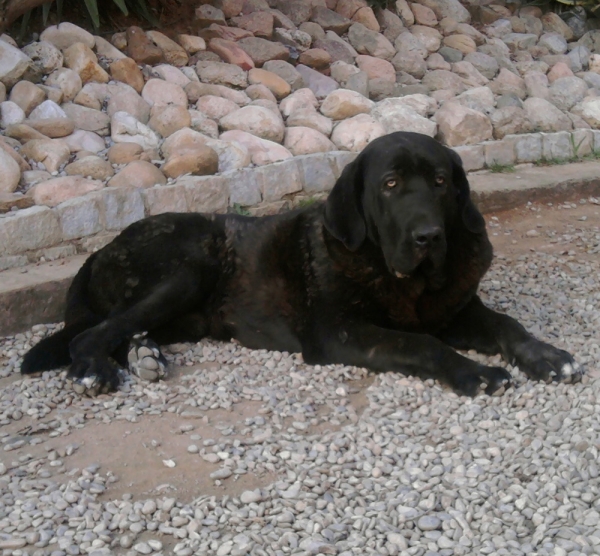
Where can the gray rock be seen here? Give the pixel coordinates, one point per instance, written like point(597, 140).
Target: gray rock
point(429, 523)
point(509, 99)
point(519, 41)
point(451, 55)
point(566, 92)
point(13, 64)
point(580, 57)
point(485, 64)
point(544, 116)
point(286, 71)
point(555, 43)
point(319, 84)
point(510, 120)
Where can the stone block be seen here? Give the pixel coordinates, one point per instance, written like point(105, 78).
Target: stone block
point(168, 198)
point(528, 147)
point(58, 252)
point(244, 187)
point(12, 261)
point(583, 142)
point(472, 157)
point(499, 152)
point(557, 145)
point(32, 228)
point(317, 172)
point(279, 179)
point(122, 206)
point(205, 193)
point(340, 160)
point(596, 140)
point(80, 216)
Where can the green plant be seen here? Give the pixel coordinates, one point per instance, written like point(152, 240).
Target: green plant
point(306, 202)
point(239, 209)
point(501, 168)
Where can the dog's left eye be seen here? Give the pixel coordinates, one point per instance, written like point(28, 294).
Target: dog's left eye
point(391, 183)
point(440, 180)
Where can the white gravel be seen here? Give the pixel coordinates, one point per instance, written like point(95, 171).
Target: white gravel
point(420, 471)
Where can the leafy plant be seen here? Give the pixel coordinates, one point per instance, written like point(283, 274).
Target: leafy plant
point(239, 209)
point(563, 7)
point(501, 168)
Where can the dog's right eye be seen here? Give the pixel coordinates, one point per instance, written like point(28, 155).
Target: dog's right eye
point(391, 183)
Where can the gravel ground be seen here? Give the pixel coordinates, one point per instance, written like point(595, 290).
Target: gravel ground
point(284, 458)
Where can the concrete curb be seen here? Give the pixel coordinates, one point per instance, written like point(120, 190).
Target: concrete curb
point(35, 294)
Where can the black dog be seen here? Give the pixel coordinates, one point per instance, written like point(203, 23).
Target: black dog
point(383, 275)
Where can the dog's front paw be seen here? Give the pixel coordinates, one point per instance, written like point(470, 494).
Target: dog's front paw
point(93, 376)
point(146, 360)
point(541, 361)
point(481, 380)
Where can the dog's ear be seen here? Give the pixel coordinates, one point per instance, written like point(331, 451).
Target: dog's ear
point(343, 210)
point(471, 216)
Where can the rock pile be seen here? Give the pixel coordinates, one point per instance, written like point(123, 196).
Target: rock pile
point(263, 82)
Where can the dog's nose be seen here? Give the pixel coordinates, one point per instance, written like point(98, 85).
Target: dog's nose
point(427, 235)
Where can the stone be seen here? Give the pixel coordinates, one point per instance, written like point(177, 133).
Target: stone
point(519, 41)
point(123, 153)
point(450, 54)
point(81, 58)
point(141, 48)
point(337, 50)
point(29, 229)
point(553, 23)
point(422, 104)
point(424, 15)
point(91, 167)
point(342, 71)
point(53, 127)
point(342, 104)
point(125, 99)
point(87, 118)
point(462, 43)
point(58, 190)
point(14, 201)
point(138, 174)
point(471, 156)
point(127, 71)
point(536, 84)
point(355, 133)
point(10, 114)
point(376, 68)
point(256, 120)
point(216, 107)
point(191, 44)
point(272, 187)
point(21, 132)
point(215, 31)
point(580, 57)
point(405, 13)
point(23, 165)
point(566, 92)
point(231, 53)
point(260, 24)
point(175, 75)
point(301, 98)
point(370, 43)
point(220, 73)
point(448, 8)
point(319, 84)
point(413, 63)
point(202, 161)
point(80, 216)
point(555, 43)
point(484, 64)
point(559, 70)
point(44, 56)
point(430, 38)
point(305, 140)
point(206, 15)
point(232, 155)
point(158, 92)
point(64, 35)
point(67, 80)
point(262, 151)
point(510, 120)
point(469, 74)
point(106, 50)
point(10, 173)
point(544, 116)
point(13, 64)
point(276, 84)
point(316, 58)
point(459, 125)
point(315, 31)
point(167, 119)
point(122, 206)
point(47, 110)
point(286, 71)
point(205, 194)
point(262, 50)
point(442, 79)
point(330, 20)
point(259, 91)
point(84, 140)
point(557, 146)
point(309, 117)
point(478, 98)
point(52, 153)
point(172, 52)
point(295, 39)
point(508, 82)
point(126, 129)
point(169, 198)
point(395, 115)
point(589, 110)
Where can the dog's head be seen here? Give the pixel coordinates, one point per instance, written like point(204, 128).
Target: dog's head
point(406, 193)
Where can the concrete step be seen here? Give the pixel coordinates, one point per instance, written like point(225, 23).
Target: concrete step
point(35, 294)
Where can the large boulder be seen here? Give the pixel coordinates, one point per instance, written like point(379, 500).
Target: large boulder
point(395, 115)
point(257, 120)
point(459, 125)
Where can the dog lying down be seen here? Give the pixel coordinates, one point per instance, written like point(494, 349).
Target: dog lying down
point(382, 275)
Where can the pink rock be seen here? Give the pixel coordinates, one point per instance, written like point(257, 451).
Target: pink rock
point(231, 53)
point(376, 68)
point(560, 69)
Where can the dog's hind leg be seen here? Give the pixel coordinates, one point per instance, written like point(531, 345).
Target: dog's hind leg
point(92, 371)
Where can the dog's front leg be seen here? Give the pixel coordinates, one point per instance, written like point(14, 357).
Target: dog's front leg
point(380, 349)
point(480, 328)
